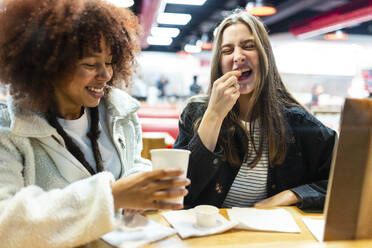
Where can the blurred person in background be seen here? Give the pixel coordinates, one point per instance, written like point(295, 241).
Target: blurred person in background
point(70, 140)
point(366, 74)
point(139, 89)
point(251, 142)
point(316, 91)
point(195, 88)
point(161, 83)
point(358, 87)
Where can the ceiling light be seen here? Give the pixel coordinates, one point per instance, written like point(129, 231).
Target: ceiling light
point(259, 8)
point(338, 35)
point(174, 19)
point(204, 45)
point(159, 41)
point(207, 46)
point(186, 2)
point(192, 48)
point(122, 3)
point(165, 32)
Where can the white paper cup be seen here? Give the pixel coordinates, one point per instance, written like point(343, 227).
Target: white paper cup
point(206, 216)
point(171, 159)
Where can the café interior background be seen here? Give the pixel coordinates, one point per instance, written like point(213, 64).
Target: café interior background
point(309, 63)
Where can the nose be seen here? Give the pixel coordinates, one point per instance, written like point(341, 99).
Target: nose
point(239, 57)
point(104, 73)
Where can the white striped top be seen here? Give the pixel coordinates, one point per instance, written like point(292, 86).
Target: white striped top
point(250, 184)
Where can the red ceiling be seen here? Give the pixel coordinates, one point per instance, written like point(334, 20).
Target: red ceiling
point(348, 15)
point(148, 14)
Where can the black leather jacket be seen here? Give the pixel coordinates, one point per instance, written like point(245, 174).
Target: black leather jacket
point(305, 169)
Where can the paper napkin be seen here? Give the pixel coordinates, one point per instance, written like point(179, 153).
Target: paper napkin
point(137, 231)
point(277, 220)
point(316, 227)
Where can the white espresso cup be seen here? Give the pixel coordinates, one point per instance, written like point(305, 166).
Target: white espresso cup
point(206, 216)
point(171, 159)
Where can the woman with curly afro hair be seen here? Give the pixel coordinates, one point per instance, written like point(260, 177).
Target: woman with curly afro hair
point(70, 140)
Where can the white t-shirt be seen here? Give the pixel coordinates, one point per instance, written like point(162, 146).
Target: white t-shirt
point(78, 129)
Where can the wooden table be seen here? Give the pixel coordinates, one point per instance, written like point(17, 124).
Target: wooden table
point(241, 238)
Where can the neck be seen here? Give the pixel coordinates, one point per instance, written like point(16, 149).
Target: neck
point(65, 108)
point(244, 108)
point(71, 114)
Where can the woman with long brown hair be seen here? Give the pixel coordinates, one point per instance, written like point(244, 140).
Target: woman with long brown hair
point(70, 140)
point(251, 142)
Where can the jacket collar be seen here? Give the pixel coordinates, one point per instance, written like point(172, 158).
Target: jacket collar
point(32, 124)
point(120, 104)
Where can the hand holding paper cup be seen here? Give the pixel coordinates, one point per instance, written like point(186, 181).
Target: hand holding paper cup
point(169, 159)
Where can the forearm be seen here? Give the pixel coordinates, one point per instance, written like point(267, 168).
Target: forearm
point(284, 198)
point(209, 129)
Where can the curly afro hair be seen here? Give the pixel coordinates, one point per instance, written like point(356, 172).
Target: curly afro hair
point(42, 40)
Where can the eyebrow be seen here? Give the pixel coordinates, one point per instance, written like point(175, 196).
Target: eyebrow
point(242, 42)
point(247, 41)
point(95, 55)
point(91, 55)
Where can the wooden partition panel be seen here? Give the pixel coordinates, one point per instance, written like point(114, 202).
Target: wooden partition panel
point(151, 143)
point(349, 201)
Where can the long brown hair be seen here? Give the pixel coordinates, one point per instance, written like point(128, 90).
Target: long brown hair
point(266, 102)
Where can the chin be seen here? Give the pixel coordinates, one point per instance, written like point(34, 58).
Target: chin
point(246, 92)
point(246, 88)
point(92, 104)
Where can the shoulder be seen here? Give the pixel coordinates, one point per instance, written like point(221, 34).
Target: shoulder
point(117, 95)
point(195, 107)
point(8, 140)
point(297, 113)
point(118, 102)
point(197, 103)
point(301, 120)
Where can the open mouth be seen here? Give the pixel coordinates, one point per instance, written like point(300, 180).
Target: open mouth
point(96, 92)
point(245, 74)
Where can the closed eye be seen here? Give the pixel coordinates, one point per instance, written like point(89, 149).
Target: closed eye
point(89, 65)
point(249, 46)
point(226, 51)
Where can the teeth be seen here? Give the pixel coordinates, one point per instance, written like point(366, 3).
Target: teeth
point(98, 90)
point(245, 70)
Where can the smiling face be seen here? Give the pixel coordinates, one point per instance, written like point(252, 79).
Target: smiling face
point(84, 87)
point(238, 52)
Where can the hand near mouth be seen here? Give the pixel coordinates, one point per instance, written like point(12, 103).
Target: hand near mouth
point(225, 93)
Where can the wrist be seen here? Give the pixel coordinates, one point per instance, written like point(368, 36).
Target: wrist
point(292, 197)
point(213, 116)
point(114, 196)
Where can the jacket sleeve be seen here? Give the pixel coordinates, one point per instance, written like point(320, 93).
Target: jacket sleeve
point(140, 164)
point(203, 164)
point(317, 143)
point(32, 217)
